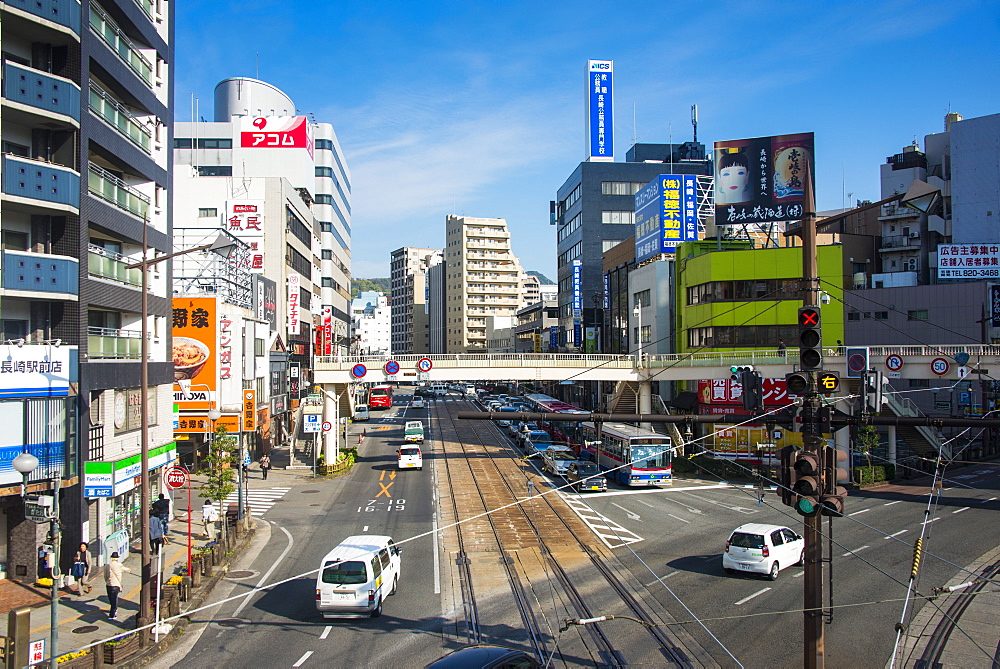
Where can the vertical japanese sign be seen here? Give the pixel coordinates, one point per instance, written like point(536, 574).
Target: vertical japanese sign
point(761, 179)
point(225, 347)
point(194, 325)
point(294, 285)
point(577, 302)
point(600, 128)
point(327, 348)
point(995, 305)
point(270, 302)
point(245, 221)
point(249, 410)
point(666, 214)
point(554, 337)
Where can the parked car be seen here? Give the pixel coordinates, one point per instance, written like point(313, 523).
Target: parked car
point(423, 391)
point(762, 549)
point(557, 459)
point(586, 475)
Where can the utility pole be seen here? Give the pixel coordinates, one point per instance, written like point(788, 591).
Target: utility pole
point(812, 585)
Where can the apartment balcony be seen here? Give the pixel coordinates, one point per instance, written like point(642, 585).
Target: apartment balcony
point(891, 211)
point(105, 28)
point(148, 7)
point(62, 12)
point(120, 118)
point(41, 182)
point(114, 344)
point(40, 90)
point(105, 264)
point(110, 188)
point(908, 242)
point(41, 273)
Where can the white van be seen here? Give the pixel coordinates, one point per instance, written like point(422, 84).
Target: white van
point(439, 389)
point(356, 576)
point(361, 412)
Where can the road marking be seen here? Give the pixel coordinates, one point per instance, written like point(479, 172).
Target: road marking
point(384, 490)
point(620, 537)
point(891, 503)
point(856, 550)
point(303, 659)
point(934, 520)
point(392, 476)
point(661, 578)
point(988, 500)
point(799, 575)
point(263, 579)
point(645, 503)
point(631, 515)
point(678, 518)
point(365, 529)
point(437, 557)
point(326, 632)
point(747, 599)
point(964, 508)
point(895, 534)
point(858, 513)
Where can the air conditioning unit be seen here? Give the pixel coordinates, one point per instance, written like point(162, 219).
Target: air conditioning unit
point(910, 265)
point(914, 235)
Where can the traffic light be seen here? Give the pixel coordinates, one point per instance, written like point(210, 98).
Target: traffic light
point(798, 383)
point(810, 339)
point(832, 500)
point(753, 390)
point(736, 372)
point(786, 475)
point(807, 482)
point(873, 392)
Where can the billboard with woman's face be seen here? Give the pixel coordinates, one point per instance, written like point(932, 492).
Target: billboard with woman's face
point(761, 179)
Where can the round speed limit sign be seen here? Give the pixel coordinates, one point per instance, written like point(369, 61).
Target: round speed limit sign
point(939, 366)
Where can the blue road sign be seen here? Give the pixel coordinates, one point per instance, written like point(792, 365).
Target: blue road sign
point(358, 371)
point(392, 367)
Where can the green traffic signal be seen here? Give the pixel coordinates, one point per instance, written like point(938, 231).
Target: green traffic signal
point(806, 506)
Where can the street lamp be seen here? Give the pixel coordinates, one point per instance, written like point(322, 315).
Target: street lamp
point(25, 463)
point(637, 312)
point(223, 246)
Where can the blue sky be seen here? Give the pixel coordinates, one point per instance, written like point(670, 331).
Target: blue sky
point(477, 108)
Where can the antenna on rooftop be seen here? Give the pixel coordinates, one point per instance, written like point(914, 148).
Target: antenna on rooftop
point(694, 121)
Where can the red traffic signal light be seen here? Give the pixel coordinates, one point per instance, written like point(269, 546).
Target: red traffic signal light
point(810, 339)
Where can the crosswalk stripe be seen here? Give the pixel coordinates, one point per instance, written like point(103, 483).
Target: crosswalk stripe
point(259, 501)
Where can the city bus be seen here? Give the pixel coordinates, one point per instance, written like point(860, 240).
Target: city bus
point(629, 455)
point(380, 397)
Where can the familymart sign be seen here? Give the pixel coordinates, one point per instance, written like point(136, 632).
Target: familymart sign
point(110, 479)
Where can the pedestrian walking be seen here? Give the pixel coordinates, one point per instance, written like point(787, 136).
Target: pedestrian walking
point(161, 507)
point(113, 571)
point(781, 346)
point(155, 532)
point(209, 516)
point(265, 465)
point(80, 571)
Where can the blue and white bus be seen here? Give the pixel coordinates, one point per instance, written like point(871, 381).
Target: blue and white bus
point(630, 455)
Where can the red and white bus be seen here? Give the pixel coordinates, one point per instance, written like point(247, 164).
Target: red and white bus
point(380, 397)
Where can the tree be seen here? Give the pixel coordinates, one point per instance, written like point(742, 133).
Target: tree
point(867, 440)
point(221, 473)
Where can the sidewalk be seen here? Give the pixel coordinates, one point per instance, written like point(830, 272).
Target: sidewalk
point(84, 620)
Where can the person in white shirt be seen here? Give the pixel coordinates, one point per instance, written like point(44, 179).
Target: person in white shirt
point(210, 516)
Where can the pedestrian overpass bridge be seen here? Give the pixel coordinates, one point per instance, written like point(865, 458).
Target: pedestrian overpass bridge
point(902, 362)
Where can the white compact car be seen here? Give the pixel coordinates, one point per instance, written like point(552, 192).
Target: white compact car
point(762, 549)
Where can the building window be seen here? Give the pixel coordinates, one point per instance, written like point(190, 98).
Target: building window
point(207, 212)
point(881, 315)
point(213, 143)
point(182, 142)
point(326, 144)
point(328, 282)
point(215, 171)
point(326, 226)
point(621, 187)
point(618, 217)
point(916, 315)
point(295, 226)
point(920, 383)
point(326, 254)
point(322, 198)
point(324, 171)
point(854, 315)
point(642, 298)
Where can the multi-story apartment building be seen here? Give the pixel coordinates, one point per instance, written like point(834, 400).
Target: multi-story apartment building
point(408, 300)
point(483, 278)
point(370, 320)
point(85, 125)
point(594, 211)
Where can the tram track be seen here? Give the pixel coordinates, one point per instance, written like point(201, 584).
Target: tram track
point(559, 537)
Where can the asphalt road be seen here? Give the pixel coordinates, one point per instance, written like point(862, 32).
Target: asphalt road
point(280, 627)
point(671, 539)
point(758, 621)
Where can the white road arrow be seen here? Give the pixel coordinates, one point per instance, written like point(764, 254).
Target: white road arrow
point(632, 516)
